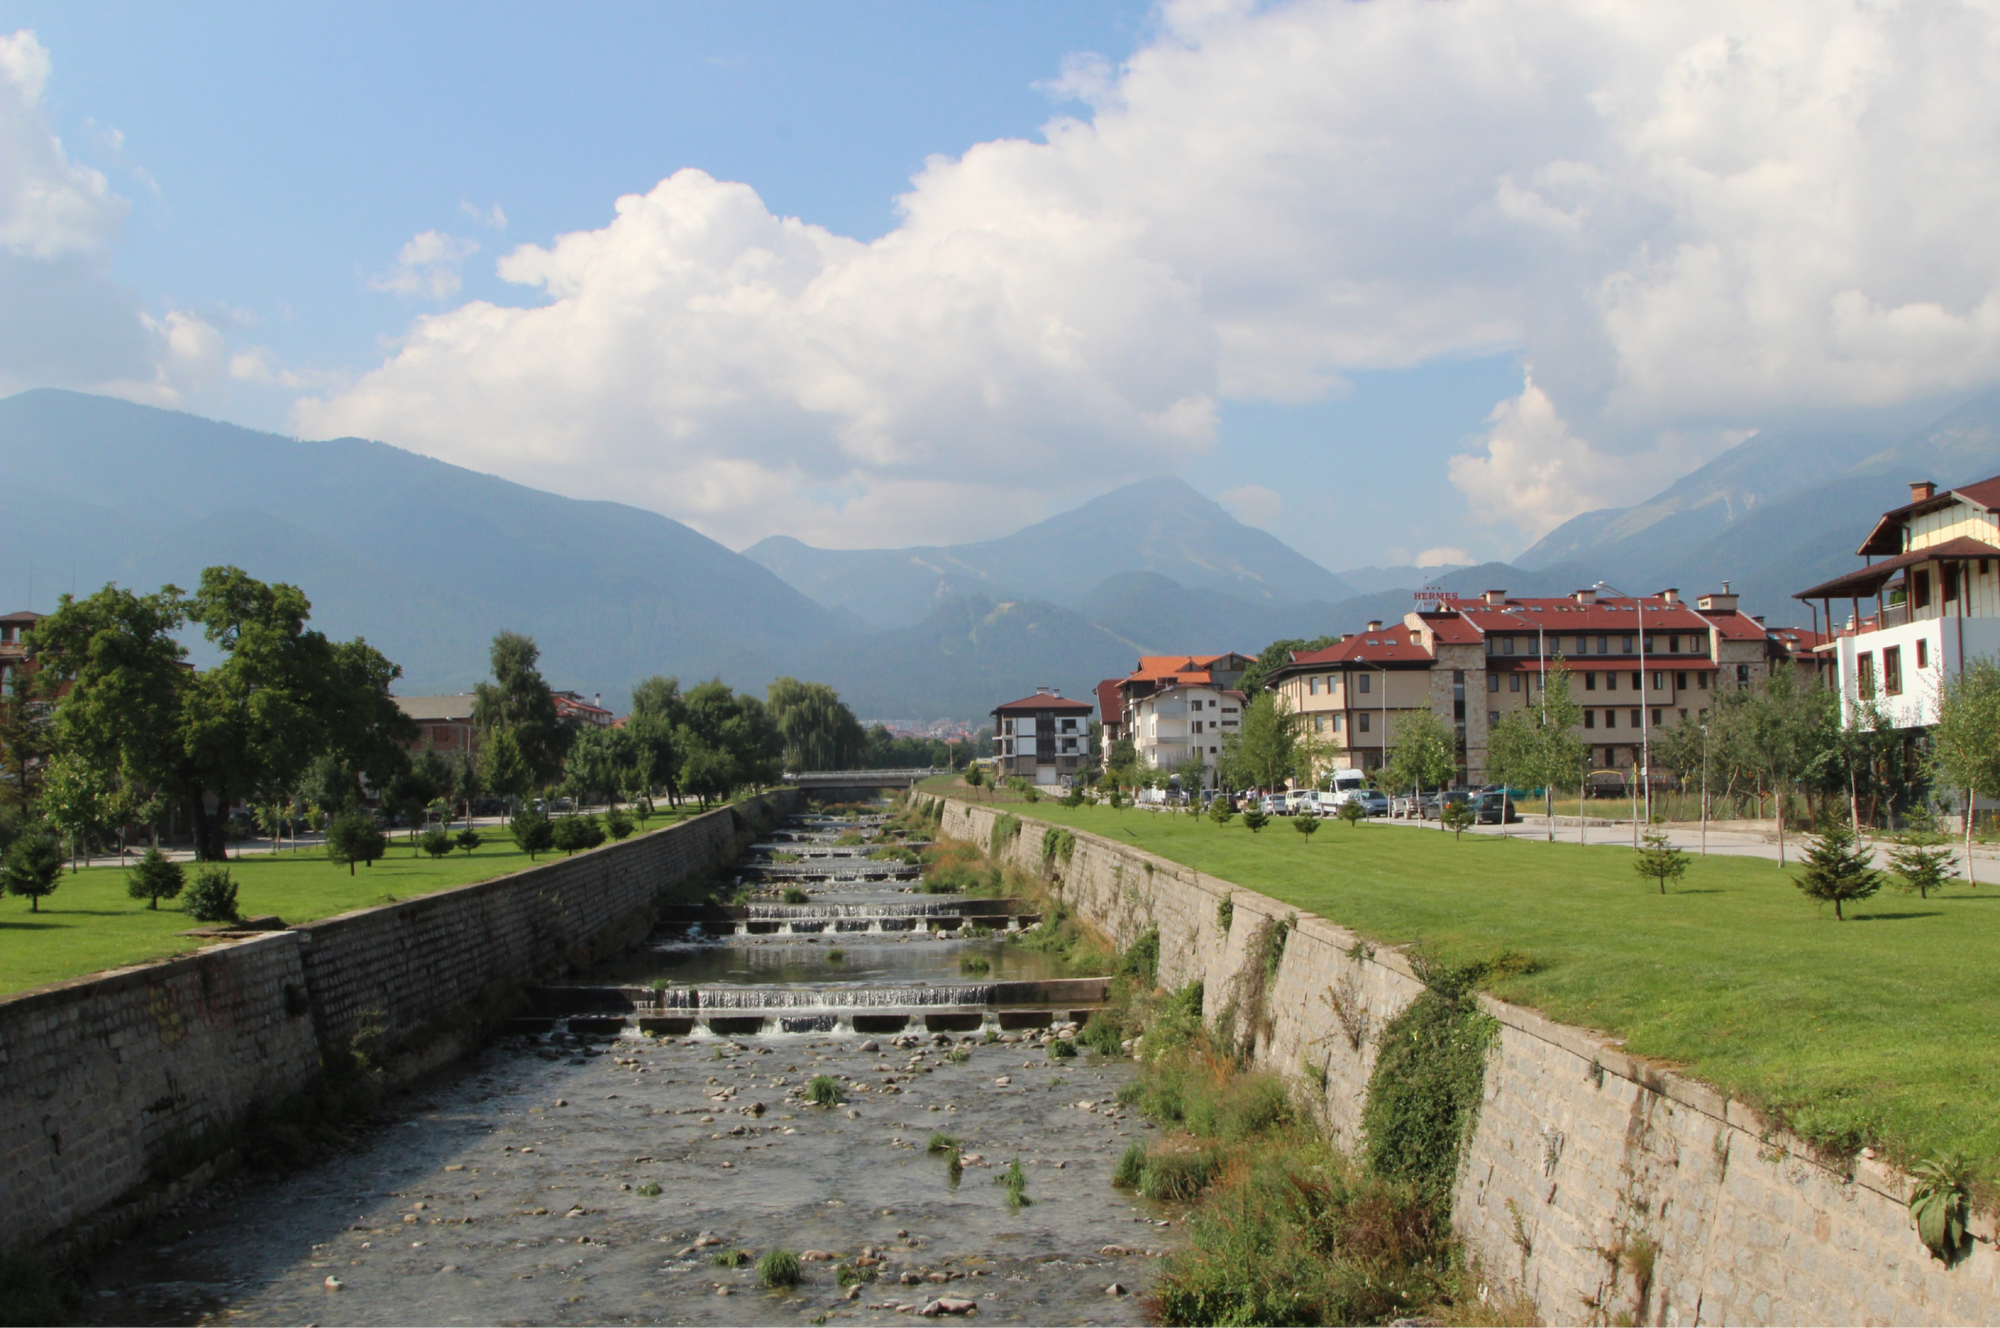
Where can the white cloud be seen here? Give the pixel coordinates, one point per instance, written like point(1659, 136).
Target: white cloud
point(491, 217)
point(429, 264)
point(1691, 218)
point(1252, 504)
point(1444, 556)
point(49, 205)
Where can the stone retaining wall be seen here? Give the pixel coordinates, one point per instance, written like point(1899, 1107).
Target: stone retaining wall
point(111, 1085)
point(1580, 1150)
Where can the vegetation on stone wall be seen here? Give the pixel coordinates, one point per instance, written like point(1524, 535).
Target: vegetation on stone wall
point(1430, 1070)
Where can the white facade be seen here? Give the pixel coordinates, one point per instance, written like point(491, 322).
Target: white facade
point(1904, 668)
point(1178, 722)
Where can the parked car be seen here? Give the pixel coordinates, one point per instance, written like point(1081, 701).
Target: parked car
point(1374, 801)
point(1275, 804)
point(1449, 797)
point(1301, 800)
point(1496, 809)
point(1404, 806)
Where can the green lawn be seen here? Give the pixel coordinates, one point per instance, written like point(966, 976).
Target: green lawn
point(1880, 1028)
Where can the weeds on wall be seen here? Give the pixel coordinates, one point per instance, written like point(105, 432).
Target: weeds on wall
point(1006, 829)
point(1058, 846)
point(1430, 1073)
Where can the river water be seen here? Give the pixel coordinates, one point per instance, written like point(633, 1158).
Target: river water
point(577, 1178)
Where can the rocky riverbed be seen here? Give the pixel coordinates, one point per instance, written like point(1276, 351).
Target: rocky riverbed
point(561, 1180)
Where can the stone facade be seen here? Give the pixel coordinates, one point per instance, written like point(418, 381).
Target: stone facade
point(1580, 1151)
point(108, 1082)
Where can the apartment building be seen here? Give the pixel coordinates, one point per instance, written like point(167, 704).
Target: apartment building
point(1634, 663)
point(1116, 697)
point(1179, 721)
point(1936, 594)
point(1044, 738)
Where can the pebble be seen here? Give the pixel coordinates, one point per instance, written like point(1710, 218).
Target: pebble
point(1003, 1081)
point(870, 1045)
point(1117, 1289)
point(333, 1284)
point(948, 1305)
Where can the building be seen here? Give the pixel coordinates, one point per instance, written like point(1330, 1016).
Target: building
point(1041, 738)
point(1181, 721)
point(444, 723)
point(1937, 601)
point(1635, 664)
point(14, 627)
point(1117, 696)
point(572, 707)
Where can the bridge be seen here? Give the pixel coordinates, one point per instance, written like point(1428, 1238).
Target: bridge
point(857, 779)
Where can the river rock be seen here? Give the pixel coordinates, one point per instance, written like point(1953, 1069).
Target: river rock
point(1117, 1289)
point(948, 1305)
point(870, 1045)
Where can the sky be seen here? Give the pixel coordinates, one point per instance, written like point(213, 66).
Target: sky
point(1398, 281)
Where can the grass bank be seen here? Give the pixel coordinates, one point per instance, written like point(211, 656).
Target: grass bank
point(1877, 1030)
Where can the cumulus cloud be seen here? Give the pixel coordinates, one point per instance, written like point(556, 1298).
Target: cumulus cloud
point(1690, 218)
point(1444, 556)
point(430, 264)
point(1252, 504)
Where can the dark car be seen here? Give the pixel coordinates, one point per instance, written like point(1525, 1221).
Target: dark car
point(1373, 801)
point(1434, 807)
point(1496, 809)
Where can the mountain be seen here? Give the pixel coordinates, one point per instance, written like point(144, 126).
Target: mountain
point(1162, 526)
point(1167, 618)
point(426, 559)
point(1371, 580)
point(1779, 512)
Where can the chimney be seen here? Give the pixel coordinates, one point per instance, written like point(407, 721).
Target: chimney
point(1671, 595)
point(1375, 626)
point(1922, 490)
point(1045, 691)
point(1584, 596)
point(1721, 603)
point(597, 699)
point(1495, 597)
point(1757, 618)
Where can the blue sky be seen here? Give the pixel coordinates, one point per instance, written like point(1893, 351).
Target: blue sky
point(1391, 280)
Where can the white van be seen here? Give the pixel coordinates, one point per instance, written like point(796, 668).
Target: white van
point(1343, 784)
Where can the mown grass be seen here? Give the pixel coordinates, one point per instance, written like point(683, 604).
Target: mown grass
point(89, 924)
point(1872, 1031)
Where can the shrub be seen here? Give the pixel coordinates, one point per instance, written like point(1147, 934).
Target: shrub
point(1103, 1033)
point(1179, 1177)
point(1131, 1166)
point(211, 896)
point(1924, 862)
point(958, 1055)
point(1457, 817)
point(974, 966)
point(1062, 1049)
point(824, 1091)
point(1659, 861)
point(32, 1293)
point(1256, 819)
point(154, 877)
point(1352, 812)
point(1141, 959)
point(468, 839)
point(730, 1258)
point(848, 1275)
point(1225, 913)
point(1423, 1097)
point(434, 842)
point(1221, 811)
point(618, 823)
point(1016, 1181)
point(532, 831)
point(32, 868)
point(651, 1189)
point(940, 1142)
point(354, 837)
point(779, 1268)
point(1305, 823)
point(1940, 1206)
point(1835, 871)
point(794, 895)
point(570, 834)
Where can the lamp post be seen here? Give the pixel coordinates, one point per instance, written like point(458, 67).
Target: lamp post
point(1645, 715)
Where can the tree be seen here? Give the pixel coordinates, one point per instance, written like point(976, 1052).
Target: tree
point(1780, 729)
point(817, 730)
point(1965, 742)
point(1265, 749)
point(26, 735)
point(412, 791)
point(1426, 752)
point(1352, 812)
point(503, 769)
point(1924, 860)
point(1255, 818)
point(74, 799)
point(532, 831)
point(32, 867)
point(1537, 747)
point(153, 878)
point(518, 701)
point(570, 834)
point(466, 785)
point(1457, 817)
point(1836, 872)
point(603, 763)
point(1276, 656)
point(1305, 823)
point(1660, 861)
point(354, 837)
point(657, 713)
point(211, 897)
point(617, 824)
point(1219, 812)
point(467, 839)
point(434, 842)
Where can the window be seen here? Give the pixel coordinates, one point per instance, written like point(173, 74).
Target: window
point(1949, 576)
point(1589, 682)
point(1611, 719)
point(1583, 645)
point(1649, 647)
point(1069, 746)
point(1194, 705)
point(1864, 674)
point(1492, 718)
point(1590, 719)
point(1492, 682)
point(1361, 683)
point(1742, 675)
point(1229, 710)
point(1610, 682)
point(1635, 720)
point(1336, 723)
point(1924, 650)
point(1197, 726)
point(1628, 645)
point(1659, 681)
point(1312, 686)
point(1319, 723)
point(1069, 725)
point(1673, 645)
point(1363, 717)
point(1603, 645)
point(1703, 677)
point(1507, 646)
point(1892, 670)
point(1680, 682)
point(1920, 589)
point(1656, 716)
point(1513, 682)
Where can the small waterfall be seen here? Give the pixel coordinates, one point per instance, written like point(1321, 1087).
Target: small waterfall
point(823, 998)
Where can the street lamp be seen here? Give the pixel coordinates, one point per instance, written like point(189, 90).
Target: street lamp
point(1645, 715)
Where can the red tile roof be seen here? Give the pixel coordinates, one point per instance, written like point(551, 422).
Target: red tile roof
point(1616, 614)
point(1384, 647)
point(1452, 629)
point(1040, 702)
point(1110, 707)
point(1157, 668)
point(1868, 580)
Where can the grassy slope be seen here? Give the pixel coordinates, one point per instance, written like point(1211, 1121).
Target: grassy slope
point(89, 923)
point(1883, 1022)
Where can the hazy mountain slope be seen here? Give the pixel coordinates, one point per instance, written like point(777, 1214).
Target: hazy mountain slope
point(970, 655)
point(1370, 580)
point(1167, 618)
point(1162, 526)
point(426, 559)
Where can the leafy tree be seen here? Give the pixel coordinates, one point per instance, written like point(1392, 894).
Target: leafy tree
point(1255, 817)
point(413, 790)
point(435, 842)
point(658, 713)
point(727, 742)
point(75, 797)
point(617, 823)
point(1537, 747)
point(571, 834)
point(532, 831)
point(1457, 817)
point(502, 767)
point(975, 776)
point(1305, 823)
point(467, 839)
point(26, 735)
point(153, 878)
point(818, 731)
point(1924, 860)
point(603, 762)
point(1965, 742)
point(1265, 749)
point(520, 702)
point(1780, 730)
point(467, 787)
point(1219, 812)
point(1837, 872)
point(1425, 755)
point(211, 896)
point(354, 837)
point(1660, 861)
point(32, 867)
point(1276, 656)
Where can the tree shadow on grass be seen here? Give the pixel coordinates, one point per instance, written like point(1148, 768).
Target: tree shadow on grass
point(1891, 917)
point(26, 924)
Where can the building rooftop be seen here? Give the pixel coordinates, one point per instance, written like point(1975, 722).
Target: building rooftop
point(1043, 701)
